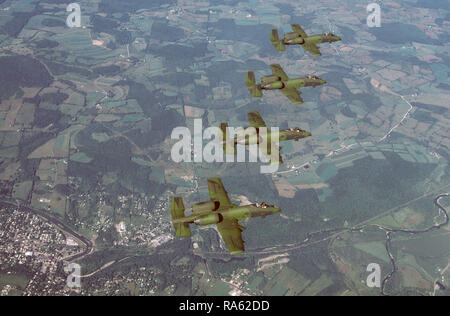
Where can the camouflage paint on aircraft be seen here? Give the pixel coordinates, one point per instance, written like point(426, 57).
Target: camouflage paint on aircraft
point(253, 136)
point(299, 37)
point(280, 81)
point(221, 212)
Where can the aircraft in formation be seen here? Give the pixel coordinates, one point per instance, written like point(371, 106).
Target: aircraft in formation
point(299, 37)
point(279, 80)
point(221, 212)
point(254, 136)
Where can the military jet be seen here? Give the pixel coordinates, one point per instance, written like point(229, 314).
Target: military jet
point(254, 136)
point(220, 211)
point(280, 81)
point(299, 37)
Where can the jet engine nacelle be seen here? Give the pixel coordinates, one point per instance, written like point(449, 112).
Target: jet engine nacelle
point(209, 219)
point(274, 86)
point(270, 79)
point(203, 207)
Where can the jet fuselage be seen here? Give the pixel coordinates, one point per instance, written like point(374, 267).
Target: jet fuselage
point(253, 136)
point(297, 39)
point(276, 83)
point(205, 217)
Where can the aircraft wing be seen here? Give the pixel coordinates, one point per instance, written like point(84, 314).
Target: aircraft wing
point(231, 233)
point(255, 119)
point(293, 94)
point(298, 29)
point(217, 192)
point(278, 71)
point(313, 49)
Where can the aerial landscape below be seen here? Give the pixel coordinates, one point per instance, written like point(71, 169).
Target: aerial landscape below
point(357, 114)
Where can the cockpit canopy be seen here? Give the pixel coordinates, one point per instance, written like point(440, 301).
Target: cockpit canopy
point(264, 205)
point(296, 130)
point(329, 34)
point(313, 77)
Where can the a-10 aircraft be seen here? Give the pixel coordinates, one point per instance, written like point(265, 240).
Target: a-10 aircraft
point(280, 81)
point(299, 37)
point(257, 122)
point(220, 211)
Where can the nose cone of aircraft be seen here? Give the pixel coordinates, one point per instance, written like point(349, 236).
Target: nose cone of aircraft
point(276, 210)
point(323, 81)
point(301, 134)
point(266, 210)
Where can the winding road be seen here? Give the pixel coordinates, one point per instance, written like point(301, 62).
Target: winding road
point(335, 233)
point(331, 234)
point(389, 233)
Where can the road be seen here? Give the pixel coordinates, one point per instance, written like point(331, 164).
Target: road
point(109, 264)
point(389, 233)
point(88, 245)
point(335, 233)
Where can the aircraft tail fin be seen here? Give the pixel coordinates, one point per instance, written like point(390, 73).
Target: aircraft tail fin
point(276, 42)
point(177, 211)
point(274, 36)
point(252, 86)
point(225, 138)
point(250, 81)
